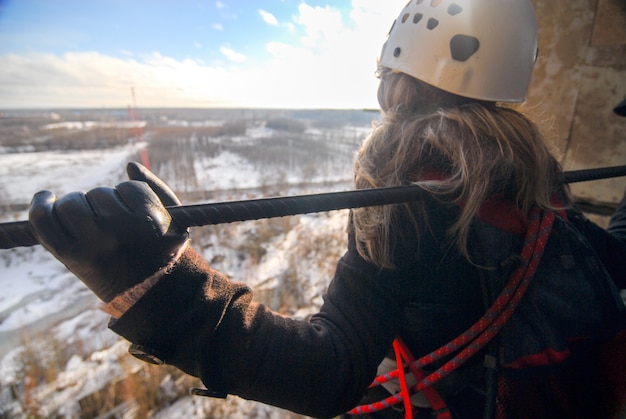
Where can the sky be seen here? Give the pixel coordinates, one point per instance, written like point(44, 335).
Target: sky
point(191, 53)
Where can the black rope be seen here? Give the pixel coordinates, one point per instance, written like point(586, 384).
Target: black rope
point(584, 175)
point(19, 234)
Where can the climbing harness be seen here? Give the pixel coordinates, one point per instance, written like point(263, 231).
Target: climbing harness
point(473, 339)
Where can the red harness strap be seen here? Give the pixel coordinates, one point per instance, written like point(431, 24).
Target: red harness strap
point(478, 335)
point(436, 402)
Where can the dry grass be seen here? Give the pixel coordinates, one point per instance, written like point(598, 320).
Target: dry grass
point(143, 390)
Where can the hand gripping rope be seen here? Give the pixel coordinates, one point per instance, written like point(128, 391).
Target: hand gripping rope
point(18, 233)
point(474, 338)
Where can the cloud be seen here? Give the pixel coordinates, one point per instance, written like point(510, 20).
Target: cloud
point(90, 79)
point(268, 18)
point(232, 55)
point(331, 65)
point(320, 23)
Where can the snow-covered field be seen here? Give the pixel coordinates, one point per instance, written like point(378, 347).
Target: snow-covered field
point(23, 174)
point(43, 306)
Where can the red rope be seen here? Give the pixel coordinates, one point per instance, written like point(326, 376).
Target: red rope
point(435, 400)
point(479, 334)
point(404, 388)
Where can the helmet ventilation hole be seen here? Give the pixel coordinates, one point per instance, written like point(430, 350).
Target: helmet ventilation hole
point(405, 17)
point(435, 3)
point(397, 51)
point(417, 17)
point(432, 23)
point(463, 46)
point(454, 9)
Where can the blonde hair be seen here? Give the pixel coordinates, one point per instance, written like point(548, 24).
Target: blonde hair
point(479, 149)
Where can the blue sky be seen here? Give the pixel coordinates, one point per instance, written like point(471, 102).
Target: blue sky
point(265, 53)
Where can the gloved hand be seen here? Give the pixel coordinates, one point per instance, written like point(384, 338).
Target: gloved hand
point(110, 238)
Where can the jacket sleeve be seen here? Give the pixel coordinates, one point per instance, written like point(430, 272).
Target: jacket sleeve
point(208, 326)
point(610, 244)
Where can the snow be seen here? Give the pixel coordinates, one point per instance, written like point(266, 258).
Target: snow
point(184, 123)
point(227, 171)
point(42, 304)
point(61, 171)
point(259, 132)
point(86, 125)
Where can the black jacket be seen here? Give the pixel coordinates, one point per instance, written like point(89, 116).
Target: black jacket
point(208, 326)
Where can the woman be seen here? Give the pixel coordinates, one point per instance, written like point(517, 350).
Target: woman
point(423, 272)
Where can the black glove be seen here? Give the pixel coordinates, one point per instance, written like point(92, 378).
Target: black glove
point(111, 239)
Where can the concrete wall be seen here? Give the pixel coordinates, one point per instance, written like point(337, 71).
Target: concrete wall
point(579, 77)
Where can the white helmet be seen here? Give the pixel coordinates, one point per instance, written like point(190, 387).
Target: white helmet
point(480, 49)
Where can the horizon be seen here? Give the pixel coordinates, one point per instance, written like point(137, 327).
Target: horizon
point(153, 108)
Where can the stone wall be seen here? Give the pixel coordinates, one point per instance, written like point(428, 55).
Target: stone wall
point(579, 77)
